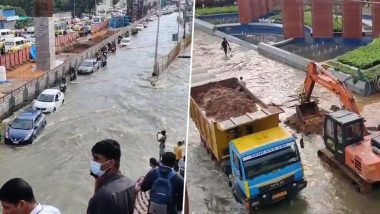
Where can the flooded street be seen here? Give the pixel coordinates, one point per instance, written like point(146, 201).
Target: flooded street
point(327, 190)
point(118, 103)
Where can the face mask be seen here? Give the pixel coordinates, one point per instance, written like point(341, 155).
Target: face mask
point(95, 168)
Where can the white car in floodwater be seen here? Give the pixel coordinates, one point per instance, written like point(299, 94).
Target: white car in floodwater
point(49, 100)
point(125, 42)
point(152, 18)
point(145, 24)
point(140, 27)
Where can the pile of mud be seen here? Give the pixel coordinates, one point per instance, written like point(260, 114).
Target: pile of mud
point(311, 126)
point(222, 103)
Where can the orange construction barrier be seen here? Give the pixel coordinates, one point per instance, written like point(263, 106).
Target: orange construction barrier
point(12, 58)
point(2, 60)
point(7, 61)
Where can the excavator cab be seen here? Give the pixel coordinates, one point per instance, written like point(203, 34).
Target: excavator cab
point(342, 128)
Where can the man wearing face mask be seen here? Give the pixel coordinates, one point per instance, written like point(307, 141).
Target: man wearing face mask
point(114, 193)
point(17, 197)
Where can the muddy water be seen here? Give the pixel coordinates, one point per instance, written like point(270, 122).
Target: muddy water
point(117, 103)
point(327, 191)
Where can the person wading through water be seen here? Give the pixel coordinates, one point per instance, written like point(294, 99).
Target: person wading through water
point(224, 46)
point(162, 141)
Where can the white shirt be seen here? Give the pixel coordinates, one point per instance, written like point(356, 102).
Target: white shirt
point(45, 209)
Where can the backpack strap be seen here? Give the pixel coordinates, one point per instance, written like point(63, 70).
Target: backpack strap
point(170, 175)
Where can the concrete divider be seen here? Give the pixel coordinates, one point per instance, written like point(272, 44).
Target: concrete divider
point(283, 56)
point(358, 87)
point(205, 26)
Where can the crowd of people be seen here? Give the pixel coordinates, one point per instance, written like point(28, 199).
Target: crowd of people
point(113, 192)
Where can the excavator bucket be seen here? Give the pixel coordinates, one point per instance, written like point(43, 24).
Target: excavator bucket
point(307, 110)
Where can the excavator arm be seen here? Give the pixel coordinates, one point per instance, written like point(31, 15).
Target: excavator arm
point(317, 74)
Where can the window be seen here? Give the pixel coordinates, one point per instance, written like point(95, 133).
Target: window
point(37, 120)
point(353, 131)
point(22, 124)
point(339, 134)
point(270, 159)
point(330, 129)
point(45, 98)
point(237, 163)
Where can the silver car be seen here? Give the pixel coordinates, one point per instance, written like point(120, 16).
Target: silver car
point(88, 66)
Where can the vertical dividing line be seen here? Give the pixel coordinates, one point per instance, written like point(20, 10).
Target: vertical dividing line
point(158, 30)
point(188, 115)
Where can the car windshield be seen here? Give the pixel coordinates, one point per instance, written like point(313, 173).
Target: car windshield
point(270, 159)
point(86, 64)
point(46, 98)
point(22, 124)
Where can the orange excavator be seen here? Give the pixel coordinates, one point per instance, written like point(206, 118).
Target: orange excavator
point(348, 143)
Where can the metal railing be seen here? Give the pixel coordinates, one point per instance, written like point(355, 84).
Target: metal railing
point(164, 61)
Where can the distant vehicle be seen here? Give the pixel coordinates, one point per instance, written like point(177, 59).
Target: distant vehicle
point(6, 34)
point(16, 43)
point(88, 66)
point(49, 101)
point(145, 24)
point(125, 42)
point(97, 19)
point(25, 128)
point(135, 31)
point(31, 38)
point(152, 18)
point(140, 27)
point(30, 30)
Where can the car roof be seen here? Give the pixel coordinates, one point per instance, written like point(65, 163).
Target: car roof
point(28, 115)
point(51, 91)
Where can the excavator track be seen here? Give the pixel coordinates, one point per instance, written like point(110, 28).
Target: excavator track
point(361, 185)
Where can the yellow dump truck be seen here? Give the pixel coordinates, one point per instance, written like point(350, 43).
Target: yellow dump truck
point(215, 133)
point(260, 158)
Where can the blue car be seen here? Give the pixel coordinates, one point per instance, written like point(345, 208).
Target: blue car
point(25, 128)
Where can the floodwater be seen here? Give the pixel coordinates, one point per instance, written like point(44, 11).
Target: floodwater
point(327, 191)
point(117, 103)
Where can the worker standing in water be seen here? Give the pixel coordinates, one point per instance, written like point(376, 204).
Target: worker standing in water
point(225, 44)
point(162, 141)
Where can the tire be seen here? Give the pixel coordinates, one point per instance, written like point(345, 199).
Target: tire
point(63, 101)
point(55, 109)
point(33, 139)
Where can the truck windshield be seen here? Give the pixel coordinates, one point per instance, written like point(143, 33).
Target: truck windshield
point(270, 159)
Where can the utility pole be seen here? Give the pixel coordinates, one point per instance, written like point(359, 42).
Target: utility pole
point(184, 20)
point(158, 30)
point(179, 18)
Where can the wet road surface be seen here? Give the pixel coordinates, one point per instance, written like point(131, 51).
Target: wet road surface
point(327, 191)
point(118, 103)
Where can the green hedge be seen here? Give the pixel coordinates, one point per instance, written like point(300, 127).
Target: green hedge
point(369, 74)
point(215, 10)
point(364, 57)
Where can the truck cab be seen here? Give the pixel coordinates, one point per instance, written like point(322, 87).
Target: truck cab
point(266, 167)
